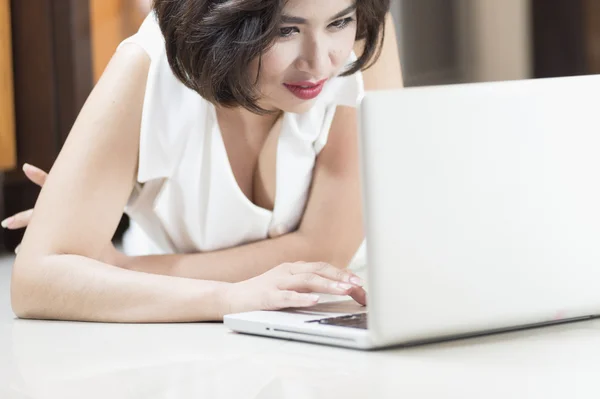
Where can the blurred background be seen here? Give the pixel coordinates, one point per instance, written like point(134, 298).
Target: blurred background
point(53, 51)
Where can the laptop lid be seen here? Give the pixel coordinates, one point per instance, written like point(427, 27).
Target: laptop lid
point(482, 206)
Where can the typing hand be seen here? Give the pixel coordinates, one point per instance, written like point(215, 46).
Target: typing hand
point(292, 285)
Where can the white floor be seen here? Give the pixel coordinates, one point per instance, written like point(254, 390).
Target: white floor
point(6, 261)
point(48, 360)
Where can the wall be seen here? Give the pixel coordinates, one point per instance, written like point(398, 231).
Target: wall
point(111, 22)
point(500, 40)
point(427, 33)
point(453, 41)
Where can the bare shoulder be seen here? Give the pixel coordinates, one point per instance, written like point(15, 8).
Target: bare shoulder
point(88, 186)
point(386, 73)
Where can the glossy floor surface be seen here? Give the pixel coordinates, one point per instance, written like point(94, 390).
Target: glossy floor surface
point(41, 359)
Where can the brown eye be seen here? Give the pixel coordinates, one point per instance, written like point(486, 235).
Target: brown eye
point(342, 23)
point(288, 31)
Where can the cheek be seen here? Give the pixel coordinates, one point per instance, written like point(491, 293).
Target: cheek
point(276, 62)
point(343, 47)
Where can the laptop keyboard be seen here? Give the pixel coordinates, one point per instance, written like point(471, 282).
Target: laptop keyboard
point(358, 320)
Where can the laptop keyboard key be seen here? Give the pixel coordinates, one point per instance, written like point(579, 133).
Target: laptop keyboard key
point(358, 320)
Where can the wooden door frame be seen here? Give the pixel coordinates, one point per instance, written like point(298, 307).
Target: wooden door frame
point(7, 109)
point(52, 79)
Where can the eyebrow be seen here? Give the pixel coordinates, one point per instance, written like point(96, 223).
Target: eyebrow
point(288, 19)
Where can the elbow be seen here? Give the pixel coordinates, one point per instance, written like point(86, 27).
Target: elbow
point(20, 296)
point(24, 290)
point(20, 310)
point(18, 301)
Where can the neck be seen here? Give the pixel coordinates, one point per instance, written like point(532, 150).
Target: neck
point(246, 120)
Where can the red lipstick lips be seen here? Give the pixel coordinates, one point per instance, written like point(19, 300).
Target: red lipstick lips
point(306, 90)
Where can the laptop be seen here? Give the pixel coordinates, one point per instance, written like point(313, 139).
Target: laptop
point(482, 215)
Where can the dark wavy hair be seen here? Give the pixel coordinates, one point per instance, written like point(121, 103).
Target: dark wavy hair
point(210, 43)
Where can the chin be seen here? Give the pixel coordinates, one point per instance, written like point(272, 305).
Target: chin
point(298, 107)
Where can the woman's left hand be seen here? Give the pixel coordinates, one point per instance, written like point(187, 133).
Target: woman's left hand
point(21, 220)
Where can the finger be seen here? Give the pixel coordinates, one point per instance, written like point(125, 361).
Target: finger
point(35, 174)
point(327, 271)
point(312, 282)
point(18, 221)
point(359, 295)
point(290, 299)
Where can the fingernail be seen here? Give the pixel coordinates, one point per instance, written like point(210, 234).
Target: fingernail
point(314, 297)
point(7, 222)
point(17, 249)
point(344, 286)
point(357, 281)
point(26, 167)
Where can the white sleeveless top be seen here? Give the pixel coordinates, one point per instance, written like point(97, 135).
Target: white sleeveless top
point(187, 199)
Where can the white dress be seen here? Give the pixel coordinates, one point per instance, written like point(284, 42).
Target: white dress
point(187, 199)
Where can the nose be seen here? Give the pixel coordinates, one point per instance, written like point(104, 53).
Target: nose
point(315, 59)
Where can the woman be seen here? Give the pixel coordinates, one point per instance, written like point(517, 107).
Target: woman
point(226, 130)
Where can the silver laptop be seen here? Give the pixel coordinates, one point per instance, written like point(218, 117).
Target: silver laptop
point(482, 211)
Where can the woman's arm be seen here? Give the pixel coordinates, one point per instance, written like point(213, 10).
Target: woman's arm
point(57, 273)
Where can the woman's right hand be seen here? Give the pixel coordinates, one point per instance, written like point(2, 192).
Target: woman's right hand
point(292, 285)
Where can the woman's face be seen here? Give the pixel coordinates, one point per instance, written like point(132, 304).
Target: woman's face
point(315, 40)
